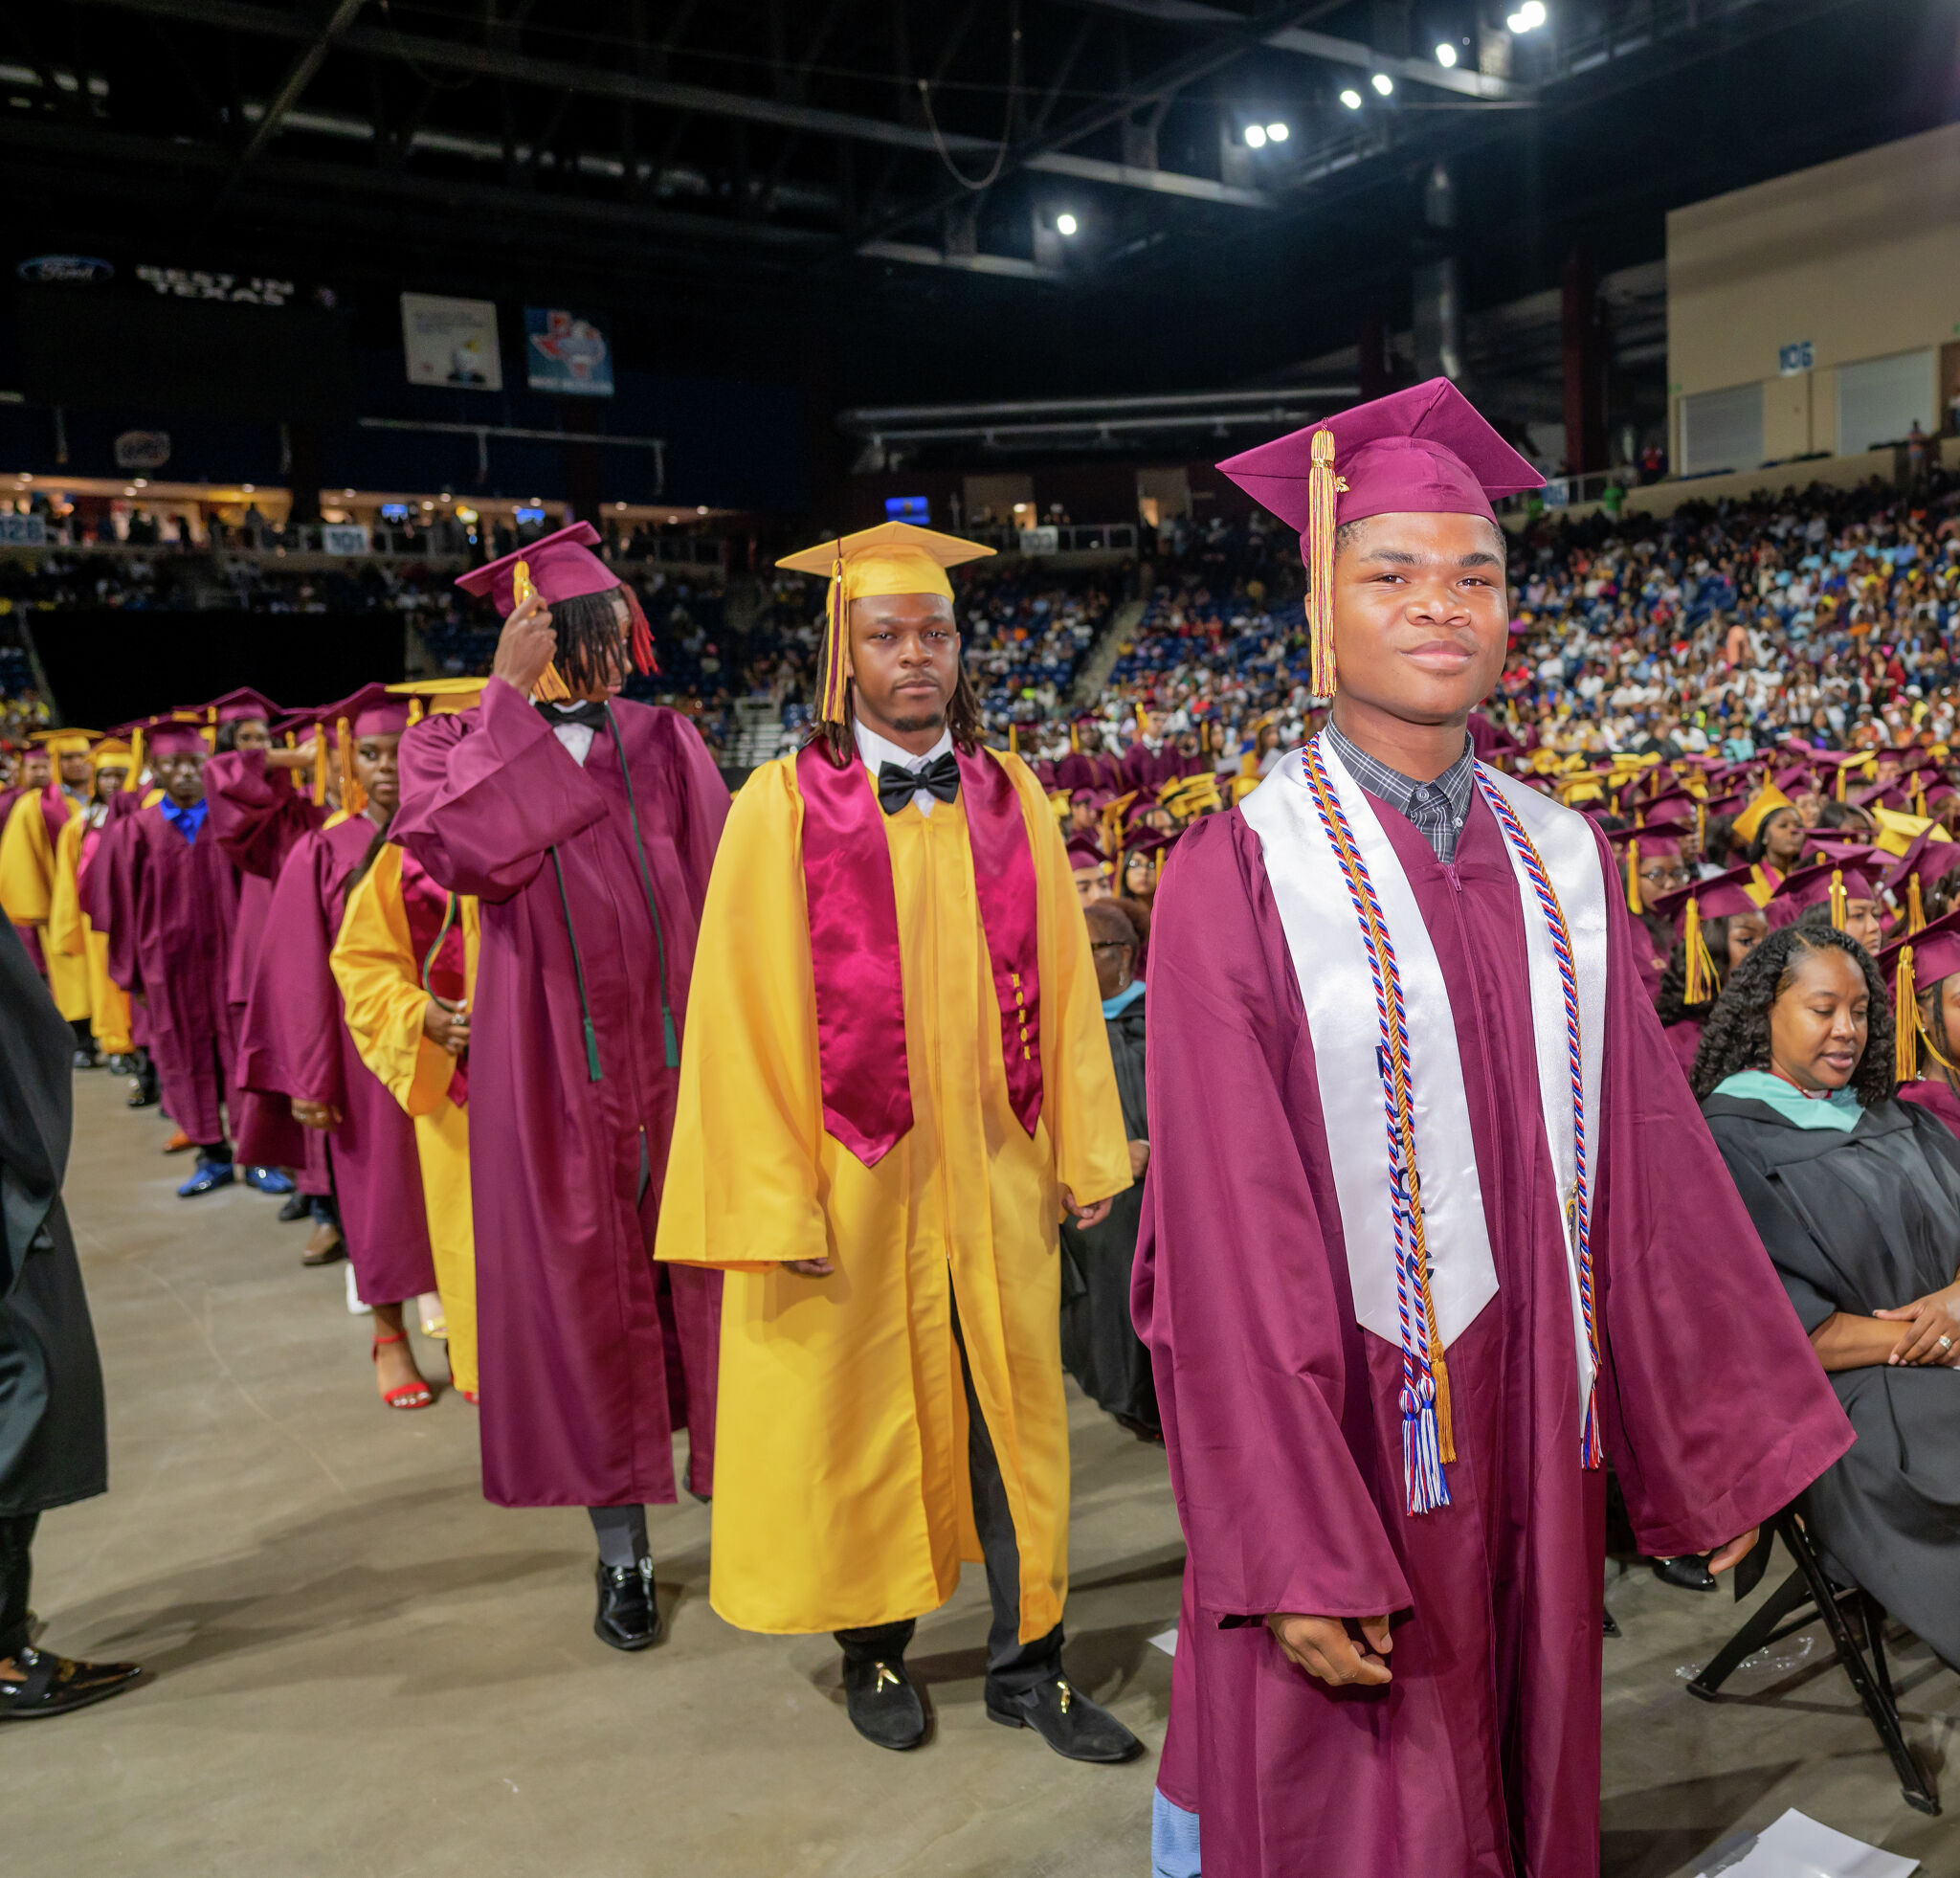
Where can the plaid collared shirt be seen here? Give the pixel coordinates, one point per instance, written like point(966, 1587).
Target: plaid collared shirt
point(1437, 808)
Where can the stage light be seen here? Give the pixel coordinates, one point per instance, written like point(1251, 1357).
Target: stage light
point(1446, 54)
point(1383, 83)
point(1255, 137)
point(703, 510)
point(1066, 224)
point(1529, 18)
point(346, 492)
point(142, 483)
point(1352, 98)
point(1277, 133)
point(249, 488)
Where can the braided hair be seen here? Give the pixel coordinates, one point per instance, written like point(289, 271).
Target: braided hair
point(591, 637)
point(1737, 1033)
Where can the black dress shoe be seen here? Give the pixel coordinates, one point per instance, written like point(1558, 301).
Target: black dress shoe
point(299, 1207)
point(1068, 1721)
point(142, 1089)
point(55, 1685)
point(884, 1703)
point(1686, 1572)
point(1608, 1626)
point(628, 1619)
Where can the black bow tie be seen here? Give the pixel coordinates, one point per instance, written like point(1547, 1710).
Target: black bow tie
point(897, 784)
point(589, 712)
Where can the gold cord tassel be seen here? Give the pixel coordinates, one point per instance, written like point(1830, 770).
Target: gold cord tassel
point(319, 789)
point(1323, 485)
point(134, 779)
point(1696, 990)
point(831, 707)
point(1840, 901)
point(1905, 1002)
point(1634, 905)
point(1844, 771)
point(1915, 910)
point(354, 797)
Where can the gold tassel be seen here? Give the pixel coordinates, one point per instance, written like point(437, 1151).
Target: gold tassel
point(1919, 801)
point(1014, 740)
point(1905, 1002)
point(319, 790)
point(1844, 771)
point(1702, 828)
point(133, 780)
point(1323, 486)
point(1915, 910)
point(415, 712)
point(831, 705)
point(1696, 990)
point(1840, 901)
point(1634, 905)
point(354, 797)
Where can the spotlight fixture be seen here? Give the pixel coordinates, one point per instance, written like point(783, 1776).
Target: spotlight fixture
point(1066, 224)
point(1529, 18)
point(1277, 133)
point(1383, 83)
point(1446, 54)
point(1352, 98)
point(249, 488)
point(1255, 137)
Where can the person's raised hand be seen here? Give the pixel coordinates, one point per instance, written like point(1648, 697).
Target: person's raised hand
point(446, 1028)
point(1342, 1652)
point(280, 758)
point(810, 1267)
point(526, 645)
point(1735, 1550)
point(1086, 1216)
point(1928, 1320)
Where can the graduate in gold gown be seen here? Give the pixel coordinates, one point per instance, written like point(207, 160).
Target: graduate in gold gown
point(26, 871)
point(406, 963)
point(896, 1081)
point(69, 934)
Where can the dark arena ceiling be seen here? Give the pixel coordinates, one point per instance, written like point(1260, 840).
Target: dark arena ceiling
point(887, 182)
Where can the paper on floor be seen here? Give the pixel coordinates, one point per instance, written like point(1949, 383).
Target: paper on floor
point(1798, 1846)
point(1167, 1641)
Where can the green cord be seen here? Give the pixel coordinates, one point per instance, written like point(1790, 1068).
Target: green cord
point(673, 1042)
point(578, 969)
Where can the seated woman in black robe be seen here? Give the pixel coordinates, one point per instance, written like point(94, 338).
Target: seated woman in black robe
point(1857, 1197)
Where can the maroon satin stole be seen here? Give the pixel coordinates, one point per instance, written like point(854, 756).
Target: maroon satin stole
point(853, 911)
point(426, 904)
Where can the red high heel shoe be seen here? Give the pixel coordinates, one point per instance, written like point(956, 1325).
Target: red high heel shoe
point(411, 1395)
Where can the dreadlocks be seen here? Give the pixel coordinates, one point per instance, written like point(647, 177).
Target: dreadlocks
point(596, 646)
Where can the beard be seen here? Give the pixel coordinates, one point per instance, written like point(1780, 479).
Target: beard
point(932, 720)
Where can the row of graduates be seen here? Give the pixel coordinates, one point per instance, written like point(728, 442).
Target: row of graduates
point(475, 966)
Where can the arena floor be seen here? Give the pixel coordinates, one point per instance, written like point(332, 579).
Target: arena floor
point(359, 1668)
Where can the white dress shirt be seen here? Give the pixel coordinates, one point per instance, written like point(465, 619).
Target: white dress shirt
point(875, 750)
point(577, 738)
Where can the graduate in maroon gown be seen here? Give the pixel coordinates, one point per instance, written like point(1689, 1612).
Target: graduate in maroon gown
point(1087, 764)
point(1719, 925)
point(1651, 866)
point(295, 1048)
point(256, 814)
point(586, 830)
point(1923, 970)
point(1386, 1399)
point(169, 899)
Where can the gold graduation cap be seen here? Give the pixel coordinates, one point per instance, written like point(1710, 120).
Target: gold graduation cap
point(1760, 807)
point(65, 743)
point(436, 696)
point(894, 557)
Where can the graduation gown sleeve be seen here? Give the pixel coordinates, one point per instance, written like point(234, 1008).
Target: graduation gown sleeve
point(380, 980)
point(1243, 1300)
point(742, 1177)
point(486, 792)
point(1716, 1412)
point(256, 813)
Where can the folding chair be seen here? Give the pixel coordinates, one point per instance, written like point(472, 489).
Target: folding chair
point(1856, 1622)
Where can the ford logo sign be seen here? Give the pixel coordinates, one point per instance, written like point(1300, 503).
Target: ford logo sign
point(65, 270)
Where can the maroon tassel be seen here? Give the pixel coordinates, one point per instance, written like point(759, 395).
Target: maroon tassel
point(644, 659)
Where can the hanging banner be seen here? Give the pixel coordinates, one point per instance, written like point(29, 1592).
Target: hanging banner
point(452, 342)
point(566, 354)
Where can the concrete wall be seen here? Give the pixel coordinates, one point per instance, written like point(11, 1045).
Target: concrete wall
point(1860, 257)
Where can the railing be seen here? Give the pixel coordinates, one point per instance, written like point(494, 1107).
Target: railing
point(342, 541)
point(1061, 538)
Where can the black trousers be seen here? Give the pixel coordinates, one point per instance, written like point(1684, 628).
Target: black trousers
point(17, 1541)
point(1011, 1665)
